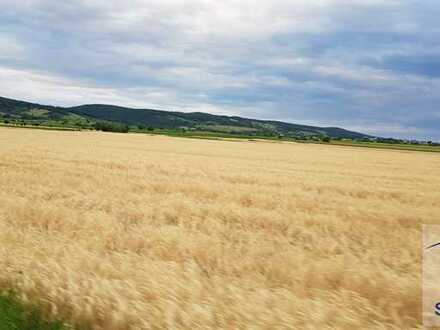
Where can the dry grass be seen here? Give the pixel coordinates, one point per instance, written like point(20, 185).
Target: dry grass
point(130, 231)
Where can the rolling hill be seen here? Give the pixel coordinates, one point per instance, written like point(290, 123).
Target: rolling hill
point(87, 115)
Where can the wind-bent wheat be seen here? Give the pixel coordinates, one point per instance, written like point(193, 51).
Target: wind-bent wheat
point(130, 231)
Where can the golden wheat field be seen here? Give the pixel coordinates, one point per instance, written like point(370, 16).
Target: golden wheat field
point(126, 231)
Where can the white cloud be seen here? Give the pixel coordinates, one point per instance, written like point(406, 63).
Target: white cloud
point(44, 88)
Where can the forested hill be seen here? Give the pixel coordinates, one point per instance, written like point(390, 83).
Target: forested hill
point(85, 115)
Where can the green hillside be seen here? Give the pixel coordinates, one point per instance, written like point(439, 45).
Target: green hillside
point(86, 116)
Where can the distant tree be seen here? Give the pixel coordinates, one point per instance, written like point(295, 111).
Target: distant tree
point(141, 127)
point(149, 128)
point(326, 139)
point(111, 127)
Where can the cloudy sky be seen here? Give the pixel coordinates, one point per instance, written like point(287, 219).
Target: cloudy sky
point(367, 65)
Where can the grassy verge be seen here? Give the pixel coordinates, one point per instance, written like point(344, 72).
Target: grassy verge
point(376, 145)
point(50, 128)
point(14, 316)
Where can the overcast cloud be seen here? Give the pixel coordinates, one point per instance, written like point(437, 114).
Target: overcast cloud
point(367, 65)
